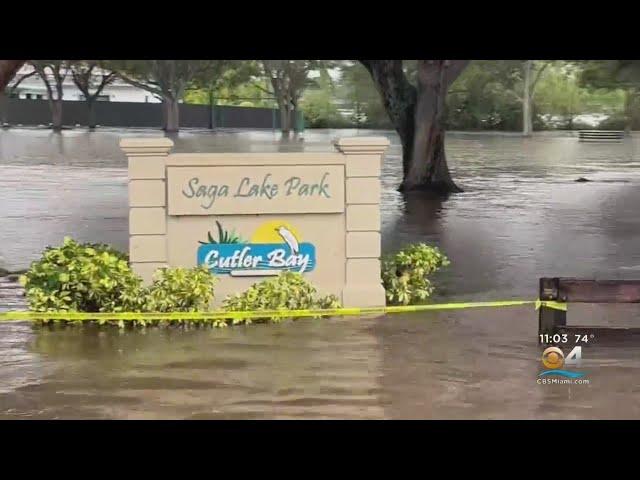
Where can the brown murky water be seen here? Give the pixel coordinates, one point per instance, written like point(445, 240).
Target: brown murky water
point(521, 216)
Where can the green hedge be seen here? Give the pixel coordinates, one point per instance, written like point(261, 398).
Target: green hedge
point(94, 278)
point(289, 291)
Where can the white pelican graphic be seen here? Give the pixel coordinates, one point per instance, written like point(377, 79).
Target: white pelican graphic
point(289, 238)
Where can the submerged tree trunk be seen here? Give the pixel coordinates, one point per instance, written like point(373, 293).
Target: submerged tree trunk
point(530, 82)
point(53, 84)
point(4, 108)
point(91, 114)
point(528, 120)
point(526, 100)
point(428, 167)
point(628, 109)
point(417, 116)
point(399, 100)
point(285, 119)
point(56, 114)
point(171, 109)
point(295, 125)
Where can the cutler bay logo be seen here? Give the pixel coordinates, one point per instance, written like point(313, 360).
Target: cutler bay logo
point(553, 360)
point(274, 247)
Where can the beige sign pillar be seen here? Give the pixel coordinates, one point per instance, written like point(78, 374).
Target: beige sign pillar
point(332, 200)
point(363, 286)
point(147, 203)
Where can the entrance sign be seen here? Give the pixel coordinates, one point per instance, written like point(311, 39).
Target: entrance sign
point(251, 216)
point(242, 190)
point(240, 258)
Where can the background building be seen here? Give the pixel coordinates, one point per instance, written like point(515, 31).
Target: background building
point(117, 91)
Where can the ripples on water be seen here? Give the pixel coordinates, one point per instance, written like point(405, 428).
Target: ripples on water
point(521, 216)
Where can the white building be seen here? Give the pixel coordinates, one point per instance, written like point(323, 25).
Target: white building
point(117, 91)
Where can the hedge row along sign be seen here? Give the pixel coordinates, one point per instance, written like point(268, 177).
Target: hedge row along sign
point(247, 216)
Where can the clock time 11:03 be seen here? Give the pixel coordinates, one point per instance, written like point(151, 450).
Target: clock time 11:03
point(564, 338)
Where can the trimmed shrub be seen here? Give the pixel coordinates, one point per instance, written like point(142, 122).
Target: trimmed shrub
point(287, 291)
point(405, 274)
point(97, 278)
point(82, 278)
point(180, 290)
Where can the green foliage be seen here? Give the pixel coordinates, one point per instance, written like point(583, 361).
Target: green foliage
point(319, 107)
point(240, 83)
point(610, 74)
point(168, 79)
point(560, 95)
point(180, 290)
point(96, 278)
point(82, 277)
point(287, 291)
point(404, 274)
point(357, 92)
point(487, 96)
point(318, 110)
point(484, 98)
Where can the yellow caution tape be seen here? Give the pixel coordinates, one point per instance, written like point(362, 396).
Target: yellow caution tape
point(551, 304)
point(226, 315)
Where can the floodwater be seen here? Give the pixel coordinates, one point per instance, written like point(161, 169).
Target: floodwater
point(521, 216)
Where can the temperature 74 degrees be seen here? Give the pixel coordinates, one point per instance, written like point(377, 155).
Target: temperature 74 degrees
point(583, 338)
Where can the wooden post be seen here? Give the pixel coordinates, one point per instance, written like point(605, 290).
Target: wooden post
point(550, 319)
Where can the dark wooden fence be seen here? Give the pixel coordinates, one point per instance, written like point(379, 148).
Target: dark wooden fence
point(574, 290)
point(141, 115)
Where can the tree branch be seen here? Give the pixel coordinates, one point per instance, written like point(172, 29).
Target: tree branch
point(149, 86)
point(454, 69)
point(535, 80)
point(81, 78)
point(8, 68)
point(43, 76)
point(265, 90)
point(12, 87)
point(106, 80)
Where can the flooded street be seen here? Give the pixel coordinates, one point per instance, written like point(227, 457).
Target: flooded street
point(521, 216)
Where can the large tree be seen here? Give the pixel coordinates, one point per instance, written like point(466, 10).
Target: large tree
point(167, 80)
point(417, 115)
point(520, 77)
point(91, 78)
point(288, 79)
point(532, 71)
point(53, 74)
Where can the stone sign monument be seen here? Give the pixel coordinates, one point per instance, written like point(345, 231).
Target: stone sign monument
point(250, 216)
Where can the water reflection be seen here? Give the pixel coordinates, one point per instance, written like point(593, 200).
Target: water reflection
point(259, 371)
